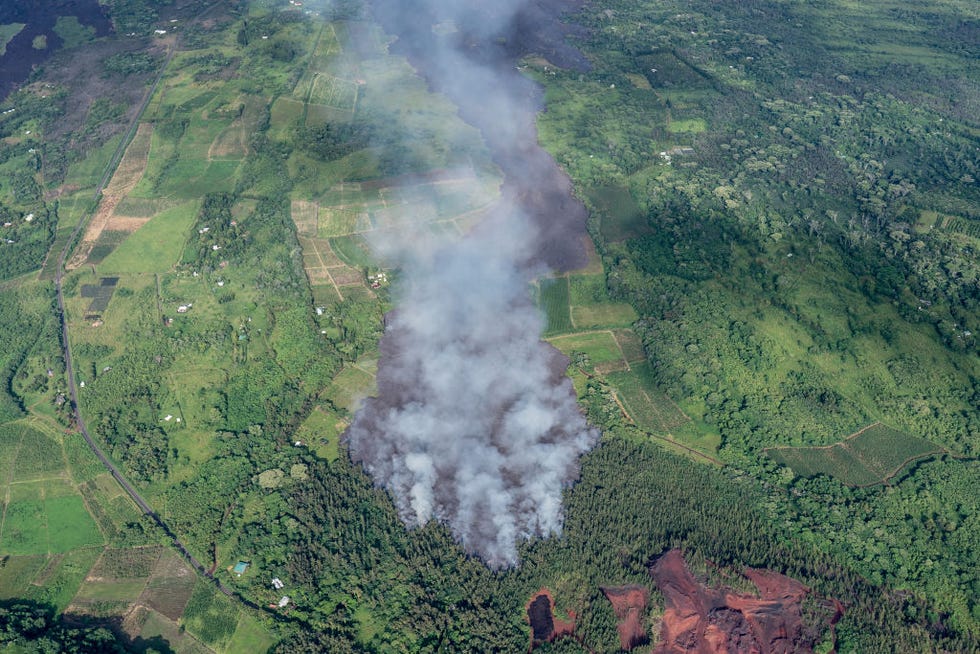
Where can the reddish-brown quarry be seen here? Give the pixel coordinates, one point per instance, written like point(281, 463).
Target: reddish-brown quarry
point(630, 605)
point(718, 620)
point(545, 627)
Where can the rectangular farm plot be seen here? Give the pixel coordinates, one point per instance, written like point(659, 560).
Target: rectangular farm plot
point(341, 222)
point(647, 405)
point(210, 616)
point(16, 572)
point(304, 215)
point(69, 524)
point(609, 314)
point(601, 347)
point(25, 529)
point(553, 301)
point(324, 294)
point(333, 91)
point(630, 344)
point(110, 590)
point(127, 563)
point(60, 581)
point(353, 251)
point(170, 586)
point(37, 454)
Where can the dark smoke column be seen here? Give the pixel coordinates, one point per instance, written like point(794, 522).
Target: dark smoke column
point(475, 424)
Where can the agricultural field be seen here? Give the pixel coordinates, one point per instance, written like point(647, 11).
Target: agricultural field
point(874, 455)
point(322, 428)
point(649, 407)
point(43, 512)
point(154, 246)
point(601, 347)
point(553, 299)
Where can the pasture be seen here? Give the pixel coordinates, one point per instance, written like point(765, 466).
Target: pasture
point(608, 314)
point(156, 246)
point(874, 455)
point(42, 512)
point(250, 636)
point(321, 431)
point(600, 346)
point(349, 388)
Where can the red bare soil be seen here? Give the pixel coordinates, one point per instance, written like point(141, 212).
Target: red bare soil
point(545, 627)
point(719, 620)
point(630, 605)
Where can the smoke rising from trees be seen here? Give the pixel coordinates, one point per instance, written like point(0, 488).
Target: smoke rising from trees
point(475, 424)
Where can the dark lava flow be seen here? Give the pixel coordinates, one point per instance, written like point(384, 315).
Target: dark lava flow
point(502, 103)
point(40, 17)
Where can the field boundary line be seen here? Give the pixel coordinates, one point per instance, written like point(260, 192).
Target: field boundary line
point(319, 257)
point(35, 481)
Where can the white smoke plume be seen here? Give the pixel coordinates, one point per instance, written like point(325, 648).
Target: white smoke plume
point(475, 424)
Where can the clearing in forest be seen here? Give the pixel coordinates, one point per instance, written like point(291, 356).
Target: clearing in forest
point(873, 455)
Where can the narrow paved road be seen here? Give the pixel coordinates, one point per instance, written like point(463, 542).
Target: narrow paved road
point(69, 367)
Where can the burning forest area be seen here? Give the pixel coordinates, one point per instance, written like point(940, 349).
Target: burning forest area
point(475, 424)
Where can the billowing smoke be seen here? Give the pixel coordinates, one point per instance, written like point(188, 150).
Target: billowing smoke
point(475, 424)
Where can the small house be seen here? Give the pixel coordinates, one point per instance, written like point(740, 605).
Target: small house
point(283, 602)
point(277, 583)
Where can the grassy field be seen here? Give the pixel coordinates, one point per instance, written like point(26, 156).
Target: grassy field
point(600, 346)
point(321, 430)
point(353, 251)
point(42, 511)
point(156, 246)
point(250, 636)
point(350, 387)
point(874, 455)
point(609, 314)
